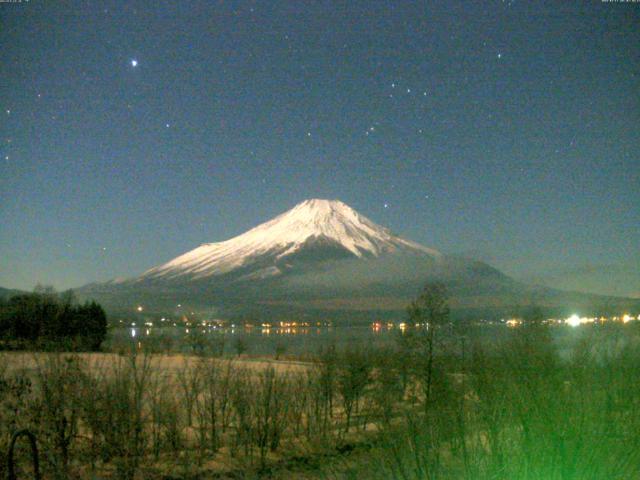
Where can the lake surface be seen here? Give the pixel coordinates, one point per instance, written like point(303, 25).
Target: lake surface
point(255, 341)
point(303, 341)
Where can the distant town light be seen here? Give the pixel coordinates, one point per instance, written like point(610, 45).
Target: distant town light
point(573, 320)
point(139, 308)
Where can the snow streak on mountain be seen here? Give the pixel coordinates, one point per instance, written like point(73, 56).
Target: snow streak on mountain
point(312, 223)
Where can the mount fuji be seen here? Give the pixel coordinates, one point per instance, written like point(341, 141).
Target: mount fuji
point(315, 229)
point(321, 257)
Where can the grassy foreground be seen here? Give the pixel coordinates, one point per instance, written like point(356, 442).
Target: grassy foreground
point(454, 409)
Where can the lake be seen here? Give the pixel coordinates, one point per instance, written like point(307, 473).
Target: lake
point(304, 341)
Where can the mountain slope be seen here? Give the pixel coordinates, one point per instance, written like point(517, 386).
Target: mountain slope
point(6, 293)
point(331, 228)
point(319, 256)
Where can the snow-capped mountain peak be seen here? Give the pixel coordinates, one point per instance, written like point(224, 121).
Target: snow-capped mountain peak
point(330, 221)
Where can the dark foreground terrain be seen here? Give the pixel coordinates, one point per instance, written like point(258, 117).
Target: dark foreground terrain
point(446, 406)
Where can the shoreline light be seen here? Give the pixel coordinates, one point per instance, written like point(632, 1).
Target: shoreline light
point(574, 320)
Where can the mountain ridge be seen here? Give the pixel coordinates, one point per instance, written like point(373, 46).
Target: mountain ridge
point(318, 255)
point(309, 223)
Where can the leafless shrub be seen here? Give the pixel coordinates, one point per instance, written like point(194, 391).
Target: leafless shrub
point(57, 406)
point(190, 383)
point(241, 394)
point(353, 376)
point(115, 412)
point(270, 405)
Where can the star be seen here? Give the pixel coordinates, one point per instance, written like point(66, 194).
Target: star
point(308, 134)
point(499, 55)
point(386, 205)
point(134, 63)
point(8, 112)
point(167, 125)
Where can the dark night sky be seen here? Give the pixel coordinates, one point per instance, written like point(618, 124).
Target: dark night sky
point(507, 131)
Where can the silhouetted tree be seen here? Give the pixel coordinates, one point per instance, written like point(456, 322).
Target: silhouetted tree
point(430, 310)
point(240, 345)
point(49, 319)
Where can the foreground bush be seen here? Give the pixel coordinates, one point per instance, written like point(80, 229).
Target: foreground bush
point(511, 409)
point(520, 412)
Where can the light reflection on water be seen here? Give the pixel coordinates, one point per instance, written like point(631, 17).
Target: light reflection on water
point(259, 340)
point(308, 340)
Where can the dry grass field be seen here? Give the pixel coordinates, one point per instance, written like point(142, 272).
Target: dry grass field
point(167, 363)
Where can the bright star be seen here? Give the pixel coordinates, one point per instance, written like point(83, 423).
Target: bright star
point(499, 55)
point(134, 63)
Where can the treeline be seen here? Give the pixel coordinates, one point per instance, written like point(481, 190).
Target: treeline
point(45, 319)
